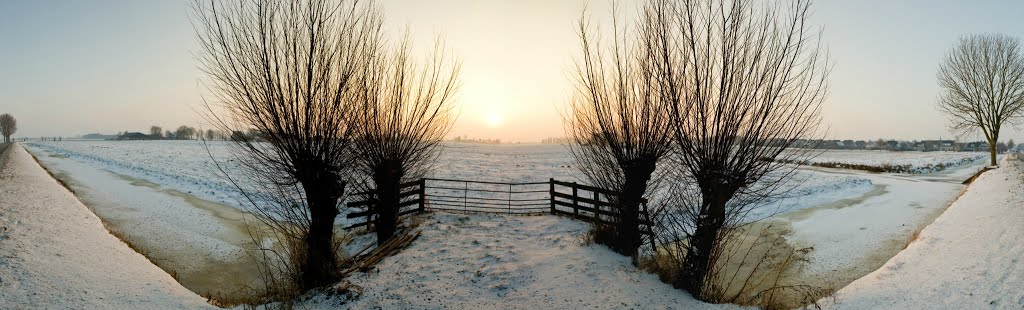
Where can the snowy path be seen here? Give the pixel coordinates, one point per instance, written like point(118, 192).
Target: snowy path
point(55, 254)
point(515, 262)
point(971, 257)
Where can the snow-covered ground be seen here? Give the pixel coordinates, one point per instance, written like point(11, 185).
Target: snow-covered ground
point(508, 262)
point(55, 254)
point(202, 241)
point(969, 258)
point(854, 235)
point(854, 220)
point(915, 162)
point(183, 165)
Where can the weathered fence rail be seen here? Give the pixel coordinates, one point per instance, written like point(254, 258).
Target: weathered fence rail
point(529, 198)
point(592, 204)
point(411, 201)
point(587, 203)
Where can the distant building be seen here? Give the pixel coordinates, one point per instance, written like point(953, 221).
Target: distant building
point(133, 136)
point(977, 146)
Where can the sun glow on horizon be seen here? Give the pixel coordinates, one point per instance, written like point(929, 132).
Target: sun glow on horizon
point(493, 120)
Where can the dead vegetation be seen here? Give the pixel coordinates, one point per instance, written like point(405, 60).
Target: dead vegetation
point(759, 268)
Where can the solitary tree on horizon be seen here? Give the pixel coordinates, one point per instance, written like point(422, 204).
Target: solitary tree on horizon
point(982, 80)
point(8, 126)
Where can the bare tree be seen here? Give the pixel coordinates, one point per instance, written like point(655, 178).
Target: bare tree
point(289, 70)
point(156, 132)
point(8, 126)
point(748, 83)
point(405, 112)
point(619, 121)
point(982, 80)
point(210, 134)
point(184, 133)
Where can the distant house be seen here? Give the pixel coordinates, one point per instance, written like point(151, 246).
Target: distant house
point(977, 146)
point(133, 136)
point(937, 145)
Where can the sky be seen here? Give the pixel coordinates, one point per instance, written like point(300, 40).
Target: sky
point(74, 67)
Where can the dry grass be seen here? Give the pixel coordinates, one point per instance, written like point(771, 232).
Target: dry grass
point(759, 269)
point(913, 237)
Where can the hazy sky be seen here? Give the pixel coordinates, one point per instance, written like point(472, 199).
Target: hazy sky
point(74, 67)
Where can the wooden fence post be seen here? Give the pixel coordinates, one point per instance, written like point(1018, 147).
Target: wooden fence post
point(551, 194)
point(650, 226)
point(423, 195)
point(510, 198)
point(597, 198)
point(575, 200)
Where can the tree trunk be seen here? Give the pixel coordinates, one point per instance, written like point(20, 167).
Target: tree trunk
point(321, 265)
point(699, 261)
point(388, 192)
point(992, 151)
point(627, 238)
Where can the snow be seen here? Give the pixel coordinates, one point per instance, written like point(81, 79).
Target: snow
point(969, 258)
point(203, 242)
point(183, 165)
point(483, 261)
point(916, 162)
point(854, 220)
point(854, 235)
point(54, 253)
point(810, 189)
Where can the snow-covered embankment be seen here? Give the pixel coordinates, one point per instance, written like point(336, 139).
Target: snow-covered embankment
point(55, 253)
point(971, 257)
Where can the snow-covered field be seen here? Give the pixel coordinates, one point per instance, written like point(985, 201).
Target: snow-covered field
point(912, 162)
point(854, 221)
point(183, 165)
point(188, 167)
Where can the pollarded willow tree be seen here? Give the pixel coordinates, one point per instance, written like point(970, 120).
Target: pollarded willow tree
point(405, 110)
point(982, 80)
point(620, 121)
point(8, 126)
point(752, 78)
point(289, 71)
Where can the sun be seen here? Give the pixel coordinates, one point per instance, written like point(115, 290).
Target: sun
point(493, 119)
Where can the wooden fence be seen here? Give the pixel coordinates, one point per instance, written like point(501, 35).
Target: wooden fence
point(583, 202)
point(411, 198)
point(593, 204)
point(487, 197)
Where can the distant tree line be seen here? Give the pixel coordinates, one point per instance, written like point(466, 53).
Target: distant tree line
point(904, 145)
point(187, 133)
